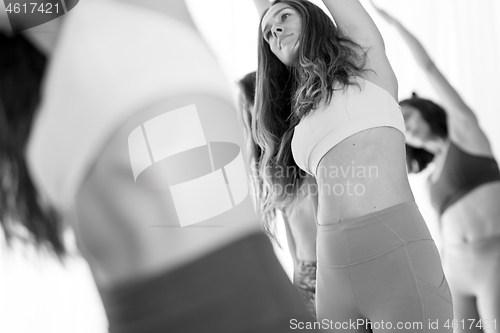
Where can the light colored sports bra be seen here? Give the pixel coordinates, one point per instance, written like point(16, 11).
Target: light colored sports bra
point(355, 109)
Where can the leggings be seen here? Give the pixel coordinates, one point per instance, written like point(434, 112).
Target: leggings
point(381, 272)
point(240, 288)
point(473, 271)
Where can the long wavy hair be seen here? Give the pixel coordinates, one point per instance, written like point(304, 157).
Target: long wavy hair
point(21, 209)
point(418, 159)
point(252, 151)
point(284, 95)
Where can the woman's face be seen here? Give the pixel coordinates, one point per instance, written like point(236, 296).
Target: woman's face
point(281, 27)
point(418, 131)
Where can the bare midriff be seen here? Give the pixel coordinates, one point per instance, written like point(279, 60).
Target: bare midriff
point(363, 174)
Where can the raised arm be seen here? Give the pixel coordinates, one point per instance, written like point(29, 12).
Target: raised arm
point(354, 22)
point(463, 125)
point(451, 99)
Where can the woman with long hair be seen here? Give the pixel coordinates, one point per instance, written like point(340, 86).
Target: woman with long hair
point(464, 188)
point(299, 217)
point(22, 212)
point(326, 102)
point(136, 145)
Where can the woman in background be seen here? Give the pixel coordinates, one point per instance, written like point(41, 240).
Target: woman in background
point(299, 217)
point(326, 102)
point(464, 188)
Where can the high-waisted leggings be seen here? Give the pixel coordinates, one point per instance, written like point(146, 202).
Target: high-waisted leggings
point(381, 271)
point(240, 288)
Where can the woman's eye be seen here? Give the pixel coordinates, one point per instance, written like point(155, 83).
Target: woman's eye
point(284, 16)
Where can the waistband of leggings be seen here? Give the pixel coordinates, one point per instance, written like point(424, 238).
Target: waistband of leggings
point(233, 289)
point(368, 218)
point(369, 236)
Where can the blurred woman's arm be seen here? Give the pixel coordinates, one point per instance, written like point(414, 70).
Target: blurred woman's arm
point(462, 122)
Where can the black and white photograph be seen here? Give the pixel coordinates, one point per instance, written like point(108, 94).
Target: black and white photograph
point(249, 166)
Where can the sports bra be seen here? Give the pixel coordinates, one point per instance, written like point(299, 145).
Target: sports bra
point(355, 109)
point(462, 172)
